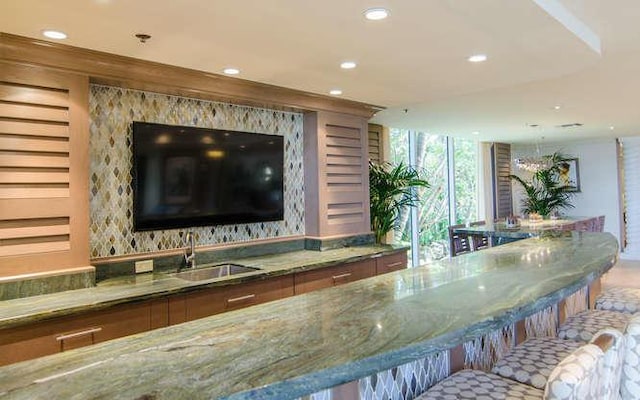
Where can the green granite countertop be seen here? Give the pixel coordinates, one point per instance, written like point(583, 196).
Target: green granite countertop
point(302, 344)
point(525, 228)
point(152, 285)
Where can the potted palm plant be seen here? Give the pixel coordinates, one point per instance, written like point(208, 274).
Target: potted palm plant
point(391, 189)
point(545, 192)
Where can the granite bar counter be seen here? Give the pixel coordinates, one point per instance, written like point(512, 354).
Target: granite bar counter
point(500, 233)
point(299, 345)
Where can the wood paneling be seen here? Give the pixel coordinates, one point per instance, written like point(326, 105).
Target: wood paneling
point(133, 73)
point(341, 204)
point(503, 201)
point(43, 170)
point(376, 143)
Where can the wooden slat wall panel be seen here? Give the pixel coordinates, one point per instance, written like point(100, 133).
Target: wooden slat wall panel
point(33, 112)
point(43, 200)
point(503, 201)
point(375, 143)
point(34, 95)
point(34, 128)
point(34, 144)
point(345, 162)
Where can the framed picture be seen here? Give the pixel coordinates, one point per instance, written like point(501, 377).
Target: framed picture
point(570, 174)
point(179, 179)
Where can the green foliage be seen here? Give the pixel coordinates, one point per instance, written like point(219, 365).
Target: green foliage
point(390, 189)
point(433, 204)
point(544, 193)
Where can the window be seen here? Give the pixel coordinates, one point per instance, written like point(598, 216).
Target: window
point(451, 168)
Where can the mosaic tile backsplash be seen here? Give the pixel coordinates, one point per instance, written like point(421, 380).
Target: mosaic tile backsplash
point(111, 112)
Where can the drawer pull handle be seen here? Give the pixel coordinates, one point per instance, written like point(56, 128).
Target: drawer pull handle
point(89, 331)
point(341, 276)
point(241, 298)
point(395, 264)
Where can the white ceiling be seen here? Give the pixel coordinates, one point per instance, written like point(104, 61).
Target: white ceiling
point(415, 60)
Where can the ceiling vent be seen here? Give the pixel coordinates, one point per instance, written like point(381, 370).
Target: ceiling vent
point(572, 125)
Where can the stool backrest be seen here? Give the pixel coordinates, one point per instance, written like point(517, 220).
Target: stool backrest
point(630, 384)
point(590, 372)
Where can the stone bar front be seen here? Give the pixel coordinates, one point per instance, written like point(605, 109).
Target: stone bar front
point(302, 345)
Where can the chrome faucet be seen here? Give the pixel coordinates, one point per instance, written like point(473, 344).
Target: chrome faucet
point(190, 252)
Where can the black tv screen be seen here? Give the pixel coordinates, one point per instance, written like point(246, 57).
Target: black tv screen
point(186, 176)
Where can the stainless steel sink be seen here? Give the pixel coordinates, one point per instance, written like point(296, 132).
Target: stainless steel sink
point(217, 271)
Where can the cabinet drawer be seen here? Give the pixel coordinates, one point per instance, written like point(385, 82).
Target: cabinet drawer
point(390, 263)
point(227, 298)
point(333, 276)
point(66, 333)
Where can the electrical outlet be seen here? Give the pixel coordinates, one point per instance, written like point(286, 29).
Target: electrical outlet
point(144, 266)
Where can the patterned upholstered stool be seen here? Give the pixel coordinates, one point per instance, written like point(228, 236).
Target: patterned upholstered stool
point(583, 325)
point(532, 361)
point(625, 300)
point(582, 375)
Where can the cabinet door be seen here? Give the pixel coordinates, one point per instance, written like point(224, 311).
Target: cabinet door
point(333, 276)
point(60, 334)
point(391, 262)
point(226, 298)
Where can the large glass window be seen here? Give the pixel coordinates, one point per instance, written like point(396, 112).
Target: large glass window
point(451, 168)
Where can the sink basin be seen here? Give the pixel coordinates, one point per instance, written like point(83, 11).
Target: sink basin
point(218, 271)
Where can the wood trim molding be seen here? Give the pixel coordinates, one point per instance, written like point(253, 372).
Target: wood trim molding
point(128, 72)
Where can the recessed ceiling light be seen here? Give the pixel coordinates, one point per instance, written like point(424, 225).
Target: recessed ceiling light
point(557, 107)
point(612, 127)
point(335, 92)
point(231, 71)
point(348, 65)
point(476, 58)
point(475, 133)
point(51, 34)
point(376, 14)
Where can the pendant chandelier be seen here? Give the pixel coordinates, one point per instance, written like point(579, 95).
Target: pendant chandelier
point(533, 164)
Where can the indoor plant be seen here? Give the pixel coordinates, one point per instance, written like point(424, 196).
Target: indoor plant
point(391, 189)
point(544, 192)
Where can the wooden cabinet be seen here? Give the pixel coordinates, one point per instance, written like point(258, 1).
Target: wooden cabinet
point(203, 303)
point(66, 333)
point(391, 262)
point(333, 276)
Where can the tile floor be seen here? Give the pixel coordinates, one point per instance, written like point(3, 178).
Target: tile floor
point(626, 273)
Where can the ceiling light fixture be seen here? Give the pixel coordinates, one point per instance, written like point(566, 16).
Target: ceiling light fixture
point(475, 133)
point(612, 128)
point(376, 14)
point(142, 37)
point(476, 58)
point(51, 34)
point(348, 65)
point(231, 71)
point(335, 92)
point(556, 107)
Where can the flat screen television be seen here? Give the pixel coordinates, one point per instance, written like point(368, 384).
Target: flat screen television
point(187, 176)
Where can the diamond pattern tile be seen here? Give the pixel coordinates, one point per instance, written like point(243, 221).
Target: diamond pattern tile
point(111, 112)
point(407, 381)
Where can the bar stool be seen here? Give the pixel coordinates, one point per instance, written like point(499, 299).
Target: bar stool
point(620, 299)
point(583, 374)
point(585, 324)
